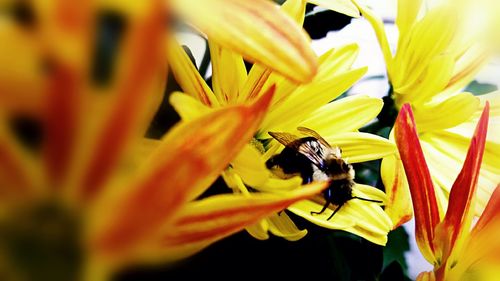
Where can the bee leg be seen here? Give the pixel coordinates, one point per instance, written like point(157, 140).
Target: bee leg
point(366, 199)
point(323, 209)
point(334, 212)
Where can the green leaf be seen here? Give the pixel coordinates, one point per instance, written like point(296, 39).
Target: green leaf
point(478, 88)
point(393, 272)
point(396, 248)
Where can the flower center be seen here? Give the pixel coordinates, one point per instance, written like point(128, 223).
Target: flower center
point(40, 243)
point(258, 145)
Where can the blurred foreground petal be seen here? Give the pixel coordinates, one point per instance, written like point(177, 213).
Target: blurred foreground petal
point(165, 184)
point(201, 223)
point(256, 29)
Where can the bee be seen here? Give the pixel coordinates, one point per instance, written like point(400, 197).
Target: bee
point(314, 159)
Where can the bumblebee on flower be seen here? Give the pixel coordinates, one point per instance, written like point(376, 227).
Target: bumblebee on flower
point(294, 105)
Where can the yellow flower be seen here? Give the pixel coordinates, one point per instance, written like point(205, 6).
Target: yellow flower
point(95, 195)
point(293, 105)
point(436, 56)
point(457, 248)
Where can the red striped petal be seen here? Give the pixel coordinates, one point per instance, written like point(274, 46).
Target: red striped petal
point(490, 213)
point(459, 214)
point(203, 222)
point(61, 121)
point(136, 92)
point(189, 159)
point(65, 31)
point(425, 206)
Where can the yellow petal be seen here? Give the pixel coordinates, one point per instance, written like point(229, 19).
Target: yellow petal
point(446, 114)
point(307, 99)
point(345, 7)
point(250, 166)
point(203, 222)
point(361, 147)
point(331, 64)
point(187, 75)
point(423, 88)
point(425, 43)
point(282, 226)
point(370, 192)
point(255, 83)
point(187, 106)
point(337, 117)
point(228, 73)
point(378, 27)
point(296, 9)
point(164, 183)
point(467, 67)
point(466, 129)
point(359, 217)
point(336, 61)
point(407, 14)
point(426, 276)
point(21, 83)
point(340, 221)
point(259, 230)
point(258, 30)
point(398, 206)
point(275, 185)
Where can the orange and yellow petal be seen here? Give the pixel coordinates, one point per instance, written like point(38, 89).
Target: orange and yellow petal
point(458, 218)
point(228, 73)
point(187, 75)
point(258, 30)
point(134, 96)
point(398, 207)
point(425, 204)
point(200, 223)
point(164, 184)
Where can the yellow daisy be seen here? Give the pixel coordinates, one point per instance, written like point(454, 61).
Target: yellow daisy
point(95, 195)
point(436, 56)
point(293, 105)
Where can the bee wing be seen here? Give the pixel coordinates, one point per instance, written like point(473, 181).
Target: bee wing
point(305, 148)
point(314, 134)
point(285, 139)
point(316, 156)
